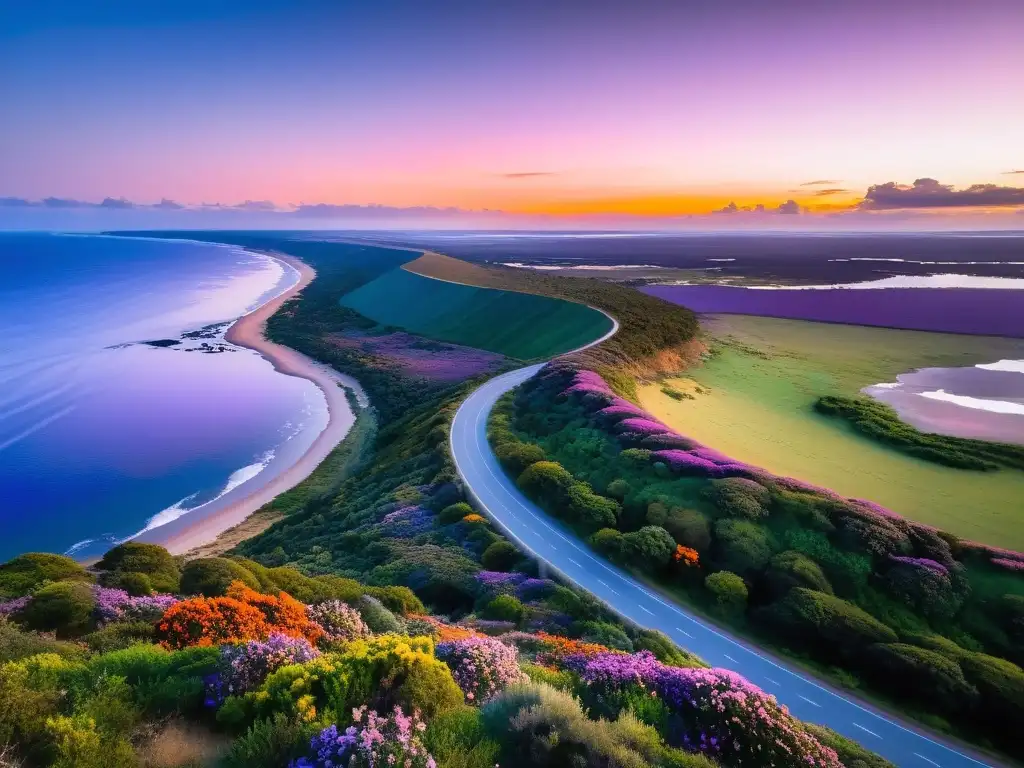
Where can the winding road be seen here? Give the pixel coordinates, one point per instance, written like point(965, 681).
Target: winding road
point(497, 496)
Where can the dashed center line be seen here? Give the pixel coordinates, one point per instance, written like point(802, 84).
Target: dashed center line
point(773, 682)
point(858, 725)
point(730, 658)
point(605, 584)
point(925, 759)
point(684, 632)
point(809, 701)
point(574, 562)
point(647, 610)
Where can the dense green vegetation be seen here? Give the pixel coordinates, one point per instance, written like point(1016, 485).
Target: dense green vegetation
point(269, 670)
point(652, 333)
point(881, 422)
point(833, 580)
point(519, 325)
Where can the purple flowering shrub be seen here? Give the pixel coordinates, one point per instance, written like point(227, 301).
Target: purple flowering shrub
point(338, 620)
point(408, 521)
point(243, 667)
point(118, 605)
point(17, 605)
point(482, 666)
point(715, 711)
point(373, 741)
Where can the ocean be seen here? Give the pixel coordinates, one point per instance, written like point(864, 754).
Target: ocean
point(104, 434)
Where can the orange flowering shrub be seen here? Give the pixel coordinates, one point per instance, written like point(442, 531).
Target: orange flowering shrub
point(558, 647)
point(686, 556)
point(243, 615)
point(211, 621)
point(446, 632)
point(474, 518)
point(283, 613)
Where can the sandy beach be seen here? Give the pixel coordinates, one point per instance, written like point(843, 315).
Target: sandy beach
point(199, 527)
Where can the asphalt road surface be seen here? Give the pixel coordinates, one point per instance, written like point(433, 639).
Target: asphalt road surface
point(557, 547)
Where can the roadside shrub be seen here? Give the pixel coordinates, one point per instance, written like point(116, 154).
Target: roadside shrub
point(649, 548)
point(65, 607)
point(1001, 684)
point(590, 509)
point(742, 546)
point(728, 590)
point(546, 482)
point(504, 608)
point(377, 618)
point(791, 569)
point(739, 497)
point(211, 576)
point(454, 513)
point(934, 589)
point(22, 574)
point(244, 666)
point(851, 754)
point(689, 528)
point(926, 675)
point(830, 624)
point(500, 556)
point(603, 633)
point(482, 666)
point(664, 650)
point(608, 542)
point(516, 456)
point(156, 563)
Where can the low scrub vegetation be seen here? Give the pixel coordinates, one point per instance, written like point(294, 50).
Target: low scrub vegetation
point(880, 422)
point(841, 581)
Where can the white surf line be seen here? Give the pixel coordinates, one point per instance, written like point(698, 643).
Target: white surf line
point(866, 730)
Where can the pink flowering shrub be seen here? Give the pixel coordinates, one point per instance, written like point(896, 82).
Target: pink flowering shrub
point(339, 621)
point(482, 666)
point(374, 741)
point(243, 667)
point(118, 605)
point(716, 712)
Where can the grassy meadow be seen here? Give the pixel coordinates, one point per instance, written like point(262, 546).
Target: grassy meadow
point(753, 400)
point(518, 325)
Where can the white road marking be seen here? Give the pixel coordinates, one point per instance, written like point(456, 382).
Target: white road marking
point(684, 632)
point(858, 725)
point(574, 562)
point(730, 658)
point(773, 682)
point(809, 701)
point(926, 759)
point(648, 610)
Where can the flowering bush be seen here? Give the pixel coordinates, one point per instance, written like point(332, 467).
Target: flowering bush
point(556, 648)
point(338, 620)
point(10, 607)
point(283, 613)
point(474, 518)
point(720, 713)
point(245, 666)
point(118, 605)
point(482, 666)
point(374, 741)
point(686, 556)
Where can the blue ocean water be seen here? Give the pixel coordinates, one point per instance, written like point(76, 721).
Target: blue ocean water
point(103, 436)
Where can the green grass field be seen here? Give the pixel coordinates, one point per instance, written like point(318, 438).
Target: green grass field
point(753, 399)
point(518, 325)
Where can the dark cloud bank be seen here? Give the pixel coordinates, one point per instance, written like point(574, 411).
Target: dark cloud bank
point(929, 193)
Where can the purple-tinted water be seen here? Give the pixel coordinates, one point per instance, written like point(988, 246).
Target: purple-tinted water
point(950, 310)
point(102, 437)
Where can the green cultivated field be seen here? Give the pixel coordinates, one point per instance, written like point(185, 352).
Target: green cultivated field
point(518, 325)
point(753, 400)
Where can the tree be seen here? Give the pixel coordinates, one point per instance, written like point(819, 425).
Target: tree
point(505, 608)
point(546, 482)
point(152, 560)
point(651, 547)
point(827, 623)
point(516, 456)
point(740, 497)
point(729, 591)
point(791, 569)
point(500, 556)
point(590, 509)
point(608, 542)
point(617, 489)
point(689, 528)
point(742, 546)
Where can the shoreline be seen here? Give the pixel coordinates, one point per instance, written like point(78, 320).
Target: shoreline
point(248, 332)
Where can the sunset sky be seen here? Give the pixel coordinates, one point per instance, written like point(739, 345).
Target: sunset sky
point(544, 108)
